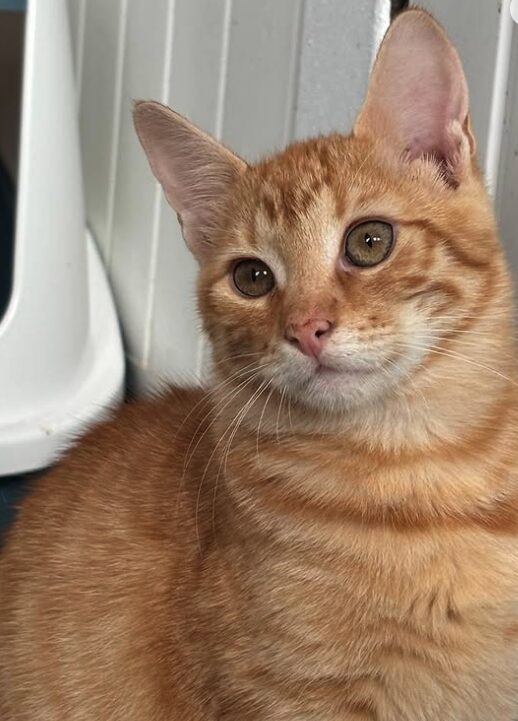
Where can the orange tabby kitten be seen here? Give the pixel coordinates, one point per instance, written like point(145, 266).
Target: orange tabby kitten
point(329, 532)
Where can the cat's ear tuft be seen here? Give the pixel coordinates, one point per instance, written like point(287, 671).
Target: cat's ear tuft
point(194, 169)
point(417, 99)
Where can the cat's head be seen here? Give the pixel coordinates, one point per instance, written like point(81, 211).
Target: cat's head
point(337, 271)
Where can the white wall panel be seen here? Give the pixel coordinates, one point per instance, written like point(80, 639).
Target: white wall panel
point(508, 180)
point(262, 64)
point(196, 89)
point(137, 197)
point(103, 46)
point(337, 43)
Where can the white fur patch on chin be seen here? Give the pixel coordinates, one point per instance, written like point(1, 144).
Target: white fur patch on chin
point(342, 395)
point(334, 392)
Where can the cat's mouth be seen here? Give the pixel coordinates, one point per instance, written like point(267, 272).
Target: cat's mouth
point(323, 369)
point(326, 370)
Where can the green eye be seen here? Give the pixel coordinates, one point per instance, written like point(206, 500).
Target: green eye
point(369, 243)
point(253, 278)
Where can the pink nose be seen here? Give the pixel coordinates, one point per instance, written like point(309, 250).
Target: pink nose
point(309, 337)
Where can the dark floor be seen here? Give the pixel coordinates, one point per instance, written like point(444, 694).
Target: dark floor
point(12, 490)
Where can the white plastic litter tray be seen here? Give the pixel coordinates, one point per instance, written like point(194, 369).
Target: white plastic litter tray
point(61, 357)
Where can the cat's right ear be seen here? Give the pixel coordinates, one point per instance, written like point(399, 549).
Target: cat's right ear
point(417, 100)
point(194, 170)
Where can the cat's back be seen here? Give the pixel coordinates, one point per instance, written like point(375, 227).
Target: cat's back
point(101, 558)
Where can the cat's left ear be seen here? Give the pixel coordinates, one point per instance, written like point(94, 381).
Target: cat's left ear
point(194, 169)
point(417, 99)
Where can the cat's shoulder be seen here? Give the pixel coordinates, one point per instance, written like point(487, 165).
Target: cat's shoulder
point(141, 429)
point(133, 459)
point(160, 417)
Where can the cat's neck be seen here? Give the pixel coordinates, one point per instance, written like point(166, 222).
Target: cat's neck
point(438, 453)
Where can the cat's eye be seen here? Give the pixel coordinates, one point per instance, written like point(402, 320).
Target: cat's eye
point(368, 243)
point(253, 278)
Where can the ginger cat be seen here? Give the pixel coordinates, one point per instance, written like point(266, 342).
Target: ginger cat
point(329, 530)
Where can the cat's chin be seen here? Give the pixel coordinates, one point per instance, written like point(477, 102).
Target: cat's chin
point(330, 389)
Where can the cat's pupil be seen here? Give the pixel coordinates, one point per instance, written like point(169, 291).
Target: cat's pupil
point(253, 278)
point(371, 239)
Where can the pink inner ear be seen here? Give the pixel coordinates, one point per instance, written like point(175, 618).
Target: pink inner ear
point(194, 169)
point(422, 103)
point(417, 94)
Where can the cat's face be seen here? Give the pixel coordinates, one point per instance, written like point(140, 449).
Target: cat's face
point(338, 271)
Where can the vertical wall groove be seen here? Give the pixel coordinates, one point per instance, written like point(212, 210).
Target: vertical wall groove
point(117, 104)
point(298, 26)
point(158, 200)
point(223, 70)
point(498, 97)
point(80, 49)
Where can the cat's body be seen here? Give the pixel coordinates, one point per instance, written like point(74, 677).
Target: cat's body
point(145, 595)
point(330, 532)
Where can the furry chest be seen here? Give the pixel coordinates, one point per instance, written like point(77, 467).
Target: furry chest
point(330, 611)
point(317, 637)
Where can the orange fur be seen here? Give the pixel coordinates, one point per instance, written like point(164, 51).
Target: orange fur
point(299, 550)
